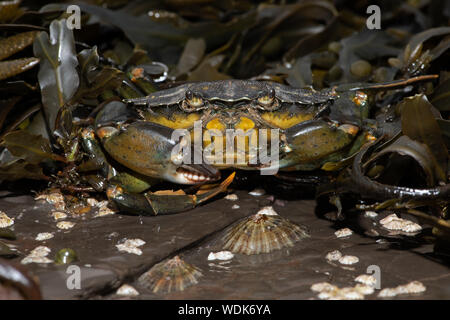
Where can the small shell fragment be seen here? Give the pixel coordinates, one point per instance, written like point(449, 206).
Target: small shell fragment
point(38, 255)
point(5, 221)
point(127, 290)
point(65, 225)
point(261, 233)
point(371, 214)
point(232, 197)
point(348, 260)
point(131, 246)
point(172, 275)
point(257, 192)
point(44, 236)
point(221, 255)
point(333, 255)
point(345, 232)
point(235, 206)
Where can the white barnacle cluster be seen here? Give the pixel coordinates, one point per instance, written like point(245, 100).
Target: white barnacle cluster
point(333, 255)
point(413, 287)
point(55, 198)
point(38, 255)
point(232, 197)
point(348, 260)
point(5, 221)
point(221, 255)
point(336, 255)
point(327, 291)
point(371, 214)
point(65, 225)
point(131, 246)
point(366, 279)
point(394, 223)
point(44, 236)
point(103, 209)
point(102, 206)
point(59, 215)
point(268, 211)
point(257, 192)
point(127, 291)
point(342, 233)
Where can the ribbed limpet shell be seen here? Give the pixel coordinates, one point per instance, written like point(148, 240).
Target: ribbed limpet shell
point(262, 233)
point(171, 275)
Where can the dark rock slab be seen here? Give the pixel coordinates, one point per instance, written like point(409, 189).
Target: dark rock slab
point(283, 274)
point(102, 266)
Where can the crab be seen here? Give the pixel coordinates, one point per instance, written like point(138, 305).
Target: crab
point(149, 139)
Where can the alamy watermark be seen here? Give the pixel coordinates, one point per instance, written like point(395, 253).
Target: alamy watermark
point(374, 20)
point(375, 271)
point(73, 281)
point(74, 20)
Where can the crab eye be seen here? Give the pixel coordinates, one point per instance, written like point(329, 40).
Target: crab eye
point(193, 100)
point(267, 99)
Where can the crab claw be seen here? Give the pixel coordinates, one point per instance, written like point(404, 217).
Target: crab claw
point(160, 203)
point(147, 148)
point(310, 142)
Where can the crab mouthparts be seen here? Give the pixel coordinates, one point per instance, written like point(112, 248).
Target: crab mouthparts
point(199, 173)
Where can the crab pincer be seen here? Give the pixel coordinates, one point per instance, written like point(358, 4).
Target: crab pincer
point(163, 202)
point(148, 149)
point(316, 140)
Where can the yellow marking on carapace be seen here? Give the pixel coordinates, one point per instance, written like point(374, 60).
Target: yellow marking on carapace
point(245, 124)
point(284, 120)
point(215, 124)
point(217, 141)
point(178, 121)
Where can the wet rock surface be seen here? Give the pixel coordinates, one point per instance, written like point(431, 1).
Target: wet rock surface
point(288, 273)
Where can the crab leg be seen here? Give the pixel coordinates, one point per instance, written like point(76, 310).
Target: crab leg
point(396, 84)
point(161, 204)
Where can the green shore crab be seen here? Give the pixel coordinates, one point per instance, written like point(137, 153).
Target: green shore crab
point(310, 130)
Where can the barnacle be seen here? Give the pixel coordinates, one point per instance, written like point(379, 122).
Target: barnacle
point(172, 275)
point(261, 233)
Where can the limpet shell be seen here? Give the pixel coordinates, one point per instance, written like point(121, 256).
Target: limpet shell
point(171, 275)
point(262, 233)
